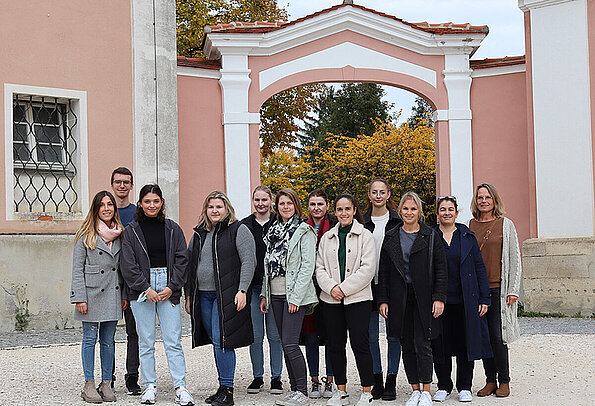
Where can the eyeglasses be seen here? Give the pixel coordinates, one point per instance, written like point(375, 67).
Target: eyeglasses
point(441, 198)
point(122, 182)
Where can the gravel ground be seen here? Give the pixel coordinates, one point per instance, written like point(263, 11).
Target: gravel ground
point(551, 364)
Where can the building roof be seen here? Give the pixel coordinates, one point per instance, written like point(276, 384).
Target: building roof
point(497, 62)
point(263, 27)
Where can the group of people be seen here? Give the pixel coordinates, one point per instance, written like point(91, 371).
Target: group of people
point(443, 291)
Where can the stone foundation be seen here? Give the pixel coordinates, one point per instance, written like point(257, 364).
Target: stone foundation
point(559, 275)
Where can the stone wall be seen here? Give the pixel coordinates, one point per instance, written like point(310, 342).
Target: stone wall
point(559, 275)
point(44, 264)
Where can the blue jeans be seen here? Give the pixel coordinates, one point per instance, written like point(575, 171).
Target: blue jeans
point(394, 347)
point(107, 329)
point(275, 347)
point(312, 355)
point(224, 359)
point(171, 332)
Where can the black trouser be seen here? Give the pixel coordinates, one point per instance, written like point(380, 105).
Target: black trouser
point(498, 365)
point(132, 361)
point(454, 342)
point(289, 326)
point(355, 318)
point(417, 350)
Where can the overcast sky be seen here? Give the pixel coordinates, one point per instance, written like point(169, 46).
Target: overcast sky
point(503, 17)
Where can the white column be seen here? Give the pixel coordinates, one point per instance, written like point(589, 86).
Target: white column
point(562, 117)
point(155, 99)
point(235, 83)
point(457, 79)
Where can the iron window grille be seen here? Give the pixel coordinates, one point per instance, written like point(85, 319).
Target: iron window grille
point(43, 154)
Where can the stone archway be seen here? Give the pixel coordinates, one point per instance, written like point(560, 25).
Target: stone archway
point(344, 43)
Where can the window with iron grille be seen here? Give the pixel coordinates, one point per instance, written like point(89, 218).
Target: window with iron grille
point(44, 154)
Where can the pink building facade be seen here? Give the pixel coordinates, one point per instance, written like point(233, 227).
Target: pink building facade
point(115, 94)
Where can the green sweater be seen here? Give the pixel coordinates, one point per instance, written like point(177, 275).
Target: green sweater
point(343, 231)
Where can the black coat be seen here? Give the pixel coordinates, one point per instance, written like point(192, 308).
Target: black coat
point(429, 285)
point(135, 265)
point(476, 291)
point(235, 327)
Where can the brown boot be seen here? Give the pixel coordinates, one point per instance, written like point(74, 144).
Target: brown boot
point(106, 392)
point(487, 390)
point(90, 394)
point(503, 391)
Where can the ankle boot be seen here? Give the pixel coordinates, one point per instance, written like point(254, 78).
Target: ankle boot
point(503, 391)
point(90, 394)
point(378, 388)
point(215, 395)
point(225, 397)
point(390, 387)
point(106, 392)
point(488, 389)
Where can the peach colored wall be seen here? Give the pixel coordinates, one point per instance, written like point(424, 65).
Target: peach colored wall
point(500, 146)
point(201, 145)
point(82, 45)
point(591, 28)
point(530, 129)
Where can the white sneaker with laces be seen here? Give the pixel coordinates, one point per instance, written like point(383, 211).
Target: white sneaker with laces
point(298, 399)
point(414, 399)
point(183, 397)
point(339, 398)
point(425, 399)
point(465, 396)
point(284, 399)
point(365, 399)
point(441, 396)
point(149, 395)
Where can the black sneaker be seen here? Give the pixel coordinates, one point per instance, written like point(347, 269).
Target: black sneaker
point(255, 386)
point(215, 395)
point(276, 386)
point(132, 386)
point(225, 397)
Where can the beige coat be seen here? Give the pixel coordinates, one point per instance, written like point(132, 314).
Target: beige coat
point(510, 283)
point(360, 264)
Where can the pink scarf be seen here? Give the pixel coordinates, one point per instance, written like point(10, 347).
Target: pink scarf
point(108, 234)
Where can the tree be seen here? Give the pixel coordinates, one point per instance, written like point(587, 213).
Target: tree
point(421, 111)
point(404, 156)
point(279, 113)
point(284, 168)
point(349, 111)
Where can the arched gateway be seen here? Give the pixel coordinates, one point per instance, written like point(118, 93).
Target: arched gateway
point(345, 43)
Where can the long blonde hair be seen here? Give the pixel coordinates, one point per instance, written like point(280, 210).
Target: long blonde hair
point(88, 230)
point(204, 219)
point(498, 204)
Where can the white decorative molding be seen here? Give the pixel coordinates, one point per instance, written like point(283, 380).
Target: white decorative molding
point(342, 55)
point(353, 19)
point(81, 156)
point(499, 71)
point(198, 72)
point(526, 5)
point(241, 118)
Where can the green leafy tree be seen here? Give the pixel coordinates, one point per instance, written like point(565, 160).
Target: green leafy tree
point(421, 112)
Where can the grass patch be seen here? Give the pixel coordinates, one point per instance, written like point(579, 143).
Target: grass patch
point(522, 313)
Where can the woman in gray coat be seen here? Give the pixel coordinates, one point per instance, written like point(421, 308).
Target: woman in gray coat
point(96, 291)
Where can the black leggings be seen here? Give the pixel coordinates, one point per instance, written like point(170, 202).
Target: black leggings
point(355, 318)
point(496, 367)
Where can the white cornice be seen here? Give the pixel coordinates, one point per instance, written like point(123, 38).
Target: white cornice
point(526, 5)
point(343, 19)
point(498, 71)
point(198, 72)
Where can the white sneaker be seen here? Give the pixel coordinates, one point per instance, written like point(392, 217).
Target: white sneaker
point(465, 396)
point(282, 401)
point(425, 399)
point(328, 389)
point(365, 399)
point(441, 396)
point(414, 399)
point(298, 399)
point(149, 395)
point(339, 398)
point(315, 392)
point(183, 397)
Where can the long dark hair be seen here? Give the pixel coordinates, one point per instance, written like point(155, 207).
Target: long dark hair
point(358, 213)
point(139, 215)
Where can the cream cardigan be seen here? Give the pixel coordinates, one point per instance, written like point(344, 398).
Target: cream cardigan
point(360, 264)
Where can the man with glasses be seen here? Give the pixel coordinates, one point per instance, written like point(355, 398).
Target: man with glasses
point(122, 183)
